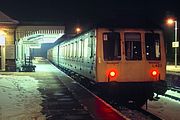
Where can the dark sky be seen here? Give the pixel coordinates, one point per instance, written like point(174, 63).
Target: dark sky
point(90, 12)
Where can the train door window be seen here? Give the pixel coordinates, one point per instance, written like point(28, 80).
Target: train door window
point(152, 42)
point(111, 46)
point(133, 46)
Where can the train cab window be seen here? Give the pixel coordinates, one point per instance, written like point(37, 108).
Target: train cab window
point(111, 46)
point(133, 46)
point(152, 42)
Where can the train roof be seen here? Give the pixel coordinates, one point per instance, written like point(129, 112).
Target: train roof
point(144, 26)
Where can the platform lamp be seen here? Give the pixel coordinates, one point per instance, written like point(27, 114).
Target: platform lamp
point(78, 30)
point(175, 44)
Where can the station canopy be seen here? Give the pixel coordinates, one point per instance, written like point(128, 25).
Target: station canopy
point(38, 34)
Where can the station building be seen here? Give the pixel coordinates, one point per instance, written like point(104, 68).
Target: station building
point(18, 41)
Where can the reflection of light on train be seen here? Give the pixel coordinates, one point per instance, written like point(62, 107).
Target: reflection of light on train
point(127, 62)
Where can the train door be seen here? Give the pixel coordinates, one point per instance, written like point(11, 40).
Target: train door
point(2, 52)
point(133, 67)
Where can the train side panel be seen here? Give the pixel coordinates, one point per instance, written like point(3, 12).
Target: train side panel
point(79, 55)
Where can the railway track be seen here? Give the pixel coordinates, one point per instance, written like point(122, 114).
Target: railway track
point(131, 111)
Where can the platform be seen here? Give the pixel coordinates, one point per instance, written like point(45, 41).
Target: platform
point(61, 98)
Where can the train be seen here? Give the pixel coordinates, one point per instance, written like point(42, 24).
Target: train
point(125, 62)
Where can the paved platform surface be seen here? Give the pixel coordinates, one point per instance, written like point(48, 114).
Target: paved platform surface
point(173, 76)
point(172, 68)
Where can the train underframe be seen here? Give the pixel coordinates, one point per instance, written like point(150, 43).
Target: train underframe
point(136, 92)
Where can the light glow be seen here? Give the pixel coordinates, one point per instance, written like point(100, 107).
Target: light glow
point(154, 73)
point(2, 32)
point(78, 30)
point(112, 73)
point(170, 21)
point(2, 40)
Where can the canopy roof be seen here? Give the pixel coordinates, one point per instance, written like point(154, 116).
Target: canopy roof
point(4, 19)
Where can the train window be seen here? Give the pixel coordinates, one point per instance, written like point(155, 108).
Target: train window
point(79, 51)
point(82, 48)
point(65, 51)
point(91, 44)
point(75, 46)
point(111, 46)
point(85, 47)
point(70, 52)
point(152, 42)
point(133, 46)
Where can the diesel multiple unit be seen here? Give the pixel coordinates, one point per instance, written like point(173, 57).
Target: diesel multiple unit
point(128, 62)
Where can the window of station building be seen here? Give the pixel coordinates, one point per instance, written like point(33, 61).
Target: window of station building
point(111, 46)
point(152, 42)
point(133, 46)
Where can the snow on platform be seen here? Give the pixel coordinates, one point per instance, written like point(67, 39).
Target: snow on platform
point(19, 98)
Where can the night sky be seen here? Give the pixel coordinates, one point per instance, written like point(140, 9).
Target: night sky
point(90, 12)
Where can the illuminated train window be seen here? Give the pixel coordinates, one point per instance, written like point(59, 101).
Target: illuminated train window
point(152, 42)
point(133, 46)
point(111, 46)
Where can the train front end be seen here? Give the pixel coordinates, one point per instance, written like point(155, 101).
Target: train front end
point(131, 62)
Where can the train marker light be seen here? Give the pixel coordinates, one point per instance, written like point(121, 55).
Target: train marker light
point(154, 73)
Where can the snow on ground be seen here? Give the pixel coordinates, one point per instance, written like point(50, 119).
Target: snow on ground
point(165, 108)
point(173, 93)
point(19, 98)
